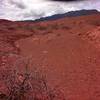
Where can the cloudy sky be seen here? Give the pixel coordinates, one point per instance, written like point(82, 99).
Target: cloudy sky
point(34, 9)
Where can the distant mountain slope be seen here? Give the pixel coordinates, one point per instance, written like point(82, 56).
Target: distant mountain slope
point(68, 14)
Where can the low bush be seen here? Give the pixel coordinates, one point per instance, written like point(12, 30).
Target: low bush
point(27, 85)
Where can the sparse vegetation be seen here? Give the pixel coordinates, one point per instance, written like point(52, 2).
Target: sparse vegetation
point(66, 27)
point(41, 28)
point(55, 26)
point(96, 23)
point(26, 85)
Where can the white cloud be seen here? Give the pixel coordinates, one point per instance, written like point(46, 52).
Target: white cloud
point(33, 9)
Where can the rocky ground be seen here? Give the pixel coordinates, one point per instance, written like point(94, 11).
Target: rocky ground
point(66, 50)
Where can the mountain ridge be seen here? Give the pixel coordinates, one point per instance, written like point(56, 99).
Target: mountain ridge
point(68, 14)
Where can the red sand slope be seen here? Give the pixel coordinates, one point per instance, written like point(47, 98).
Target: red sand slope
point(67, 50)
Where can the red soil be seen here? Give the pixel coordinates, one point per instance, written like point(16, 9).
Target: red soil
point(67, 50)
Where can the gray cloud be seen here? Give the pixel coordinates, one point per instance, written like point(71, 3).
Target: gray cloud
point(18, 4)
point(33, 9)
point(33, 14)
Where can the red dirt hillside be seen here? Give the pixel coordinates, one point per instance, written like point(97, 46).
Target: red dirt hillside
point(66, 50)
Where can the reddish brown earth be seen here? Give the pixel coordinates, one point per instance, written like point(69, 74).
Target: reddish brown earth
point(66, 50)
